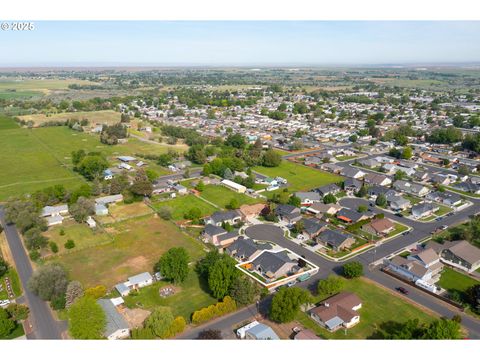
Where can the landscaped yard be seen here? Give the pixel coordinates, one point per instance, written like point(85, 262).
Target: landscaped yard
point(454, 280)
point(299, 177)
point(379, 306)
point(221, 196)
point(14, 282)
point(189, 296)
point(182, 204)
point(137, 246)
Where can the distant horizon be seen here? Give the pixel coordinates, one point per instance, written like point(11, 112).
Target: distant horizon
point(241, 44)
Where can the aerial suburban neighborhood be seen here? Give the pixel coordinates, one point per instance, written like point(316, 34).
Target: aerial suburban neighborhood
point(240, 203)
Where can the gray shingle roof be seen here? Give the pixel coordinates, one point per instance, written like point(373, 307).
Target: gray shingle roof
point(115, 321)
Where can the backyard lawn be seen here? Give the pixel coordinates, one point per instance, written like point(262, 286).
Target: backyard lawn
point(299, 177)
point(454, 280)
point(137, 246)
point(182, 204)
point(221, 196)
point(189, 296)
point(378, 307)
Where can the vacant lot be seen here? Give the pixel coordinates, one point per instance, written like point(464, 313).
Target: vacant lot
point(94, 117)
point(122, 211)
point(182, 204)
point(137, 246)
point(221, 196)
point(81, 234)
point(378, 308)
point(454, 280)
point(189, 296)
point(299, 177)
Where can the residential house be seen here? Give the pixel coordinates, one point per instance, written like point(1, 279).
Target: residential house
point(467, 186)
point(352, 173)
point(224, 240)
point(375, 190)
point(313, 160)
point(328, 189)
point(248, 212)
point(440, 179)
point(398, 203)
point(306, 334)
point(462, 255)
point(370, 163)
point(116, 326)
point(379, 227)
point(245, 249)
point(219, 217)
point(321, 208)
point(352, 186)
point(211, 232)
point(101, 209)
point(338, 311)
point(423, 209)
point(180, 189)
point(335, 239)
point(411, 188)
point(54, 215)
point(308, 198)
point(377, 179)
point(274, 265)
point(336, 169)
point(353, 216)
point(288, 213)
point(134, 283)
point(313, 227)
point(109, 199)
point(450, 199)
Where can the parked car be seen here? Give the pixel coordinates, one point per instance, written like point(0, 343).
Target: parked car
point(444, 227)
point(402, 290)
point(291, 283)
point(399, 214)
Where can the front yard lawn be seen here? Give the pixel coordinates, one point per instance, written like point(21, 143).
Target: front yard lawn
point(138, 244)
point(379, 306)
point(454, 280)
point(14, 282)
point(443, 210)
point(299, 177)
point(189, 296)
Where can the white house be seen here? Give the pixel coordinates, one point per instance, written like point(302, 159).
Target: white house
point(116, 326)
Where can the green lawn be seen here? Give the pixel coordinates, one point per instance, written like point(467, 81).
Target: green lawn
point(454, 280)
point(299, 177)
point(9, 95)
point(221, 196)
point(137, 246)
point(378, 307)
point(190, 296)
point(7, 123)
point(443, 210)
point(182, 204)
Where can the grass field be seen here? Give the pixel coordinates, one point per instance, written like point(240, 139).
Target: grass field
point(33, 159)
point(190, 296)
point(81, 234)
point(299, 177)
point(41, 85)
point(94, 117)
point(10, 95)
point(137, 246)
point(454, 280)
point(378, 307)
point(7, 123)
point(221, 196)
point(182, 204)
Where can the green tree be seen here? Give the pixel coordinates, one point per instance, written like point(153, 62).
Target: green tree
point(221, 276)
point(233, 204)
point(399, 175)
point(173, 265)
point(362, 192)
point(49, 282)
point(381, 200)
point(3, 267)
point(330, 286)
point(407, 153)
point(160, 321)
point(295, 201)
point(329, 199)
point(82, 209)
point(193, 214)
point(286, 303)
point(165, 212)
point(352, 269)
point(69, 244)
point(200, 186)
point(92, 166)
point(362, 208)
point(271, 158)
point(6, 323)
point(86, 319)
point(244, 290)
point(18, 312)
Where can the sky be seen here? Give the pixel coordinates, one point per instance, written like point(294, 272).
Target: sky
point(229, 43)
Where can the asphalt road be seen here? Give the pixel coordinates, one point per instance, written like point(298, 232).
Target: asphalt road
point(44, 325)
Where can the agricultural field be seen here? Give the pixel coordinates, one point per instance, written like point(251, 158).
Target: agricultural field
point(182, 204)
point(221, 196)
point(40, 85)
point(137, 245)
point(95, 117)
point(33, 159)
point(379, 309)
point(299, 177)
point(189, 296)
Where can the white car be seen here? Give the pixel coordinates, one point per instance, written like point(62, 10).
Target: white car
point(4, 303)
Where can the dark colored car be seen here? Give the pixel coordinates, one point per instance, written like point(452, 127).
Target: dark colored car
point(402, 290)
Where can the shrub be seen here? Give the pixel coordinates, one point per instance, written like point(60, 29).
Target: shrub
point(228, 305)
point(352, 269)
point(96, 292)
point(69, 244)
point(53, 247)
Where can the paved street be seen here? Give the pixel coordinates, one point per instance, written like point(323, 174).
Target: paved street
point(44, 325)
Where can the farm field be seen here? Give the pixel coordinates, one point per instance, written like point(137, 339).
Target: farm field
point(44, 85)
point(221, 196)
point(95, 117)
point(299, 177)
point(182, 204)
point(189, 296)
point(379, 307)
point(9, 94)
point(33, 159)
point(137, 246)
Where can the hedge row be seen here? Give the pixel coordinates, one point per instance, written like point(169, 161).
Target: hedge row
point(228, 305)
